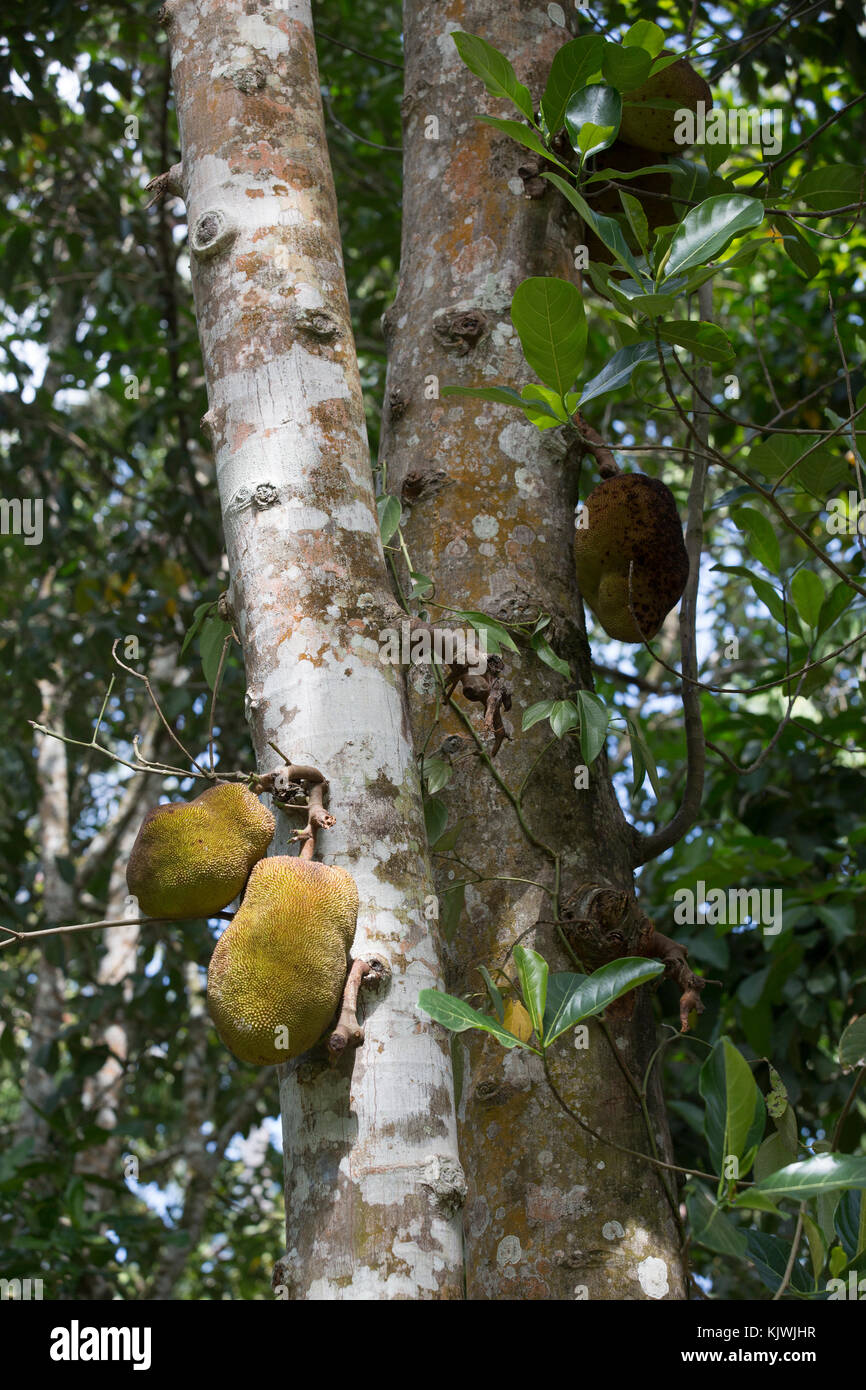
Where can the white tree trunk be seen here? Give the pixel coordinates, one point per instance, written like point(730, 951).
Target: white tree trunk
point(373, 1185)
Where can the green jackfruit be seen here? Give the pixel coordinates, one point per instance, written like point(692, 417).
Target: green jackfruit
point(191, 858)
point(276, 976)
point(630, 523)
point(650, 126)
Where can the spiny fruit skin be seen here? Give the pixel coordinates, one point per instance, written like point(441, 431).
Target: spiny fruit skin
point(652, 128)
point(282, 961)
point(630, 518)
point(191, 858)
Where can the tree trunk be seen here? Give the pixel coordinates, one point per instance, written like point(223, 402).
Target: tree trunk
point(373, 1186)
point(488, 515)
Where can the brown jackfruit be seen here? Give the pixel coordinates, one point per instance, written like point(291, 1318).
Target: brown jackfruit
point(191, 858)
point(651, 127)
point(630, 523)
point(276, 976)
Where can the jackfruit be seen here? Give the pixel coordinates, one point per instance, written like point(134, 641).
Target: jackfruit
point(630, 522)
point(651, 127)
point(276, 976)
point(190, 859)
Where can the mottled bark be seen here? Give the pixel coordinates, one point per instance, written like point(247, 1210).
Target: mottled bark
point(372, 1181)
point(488, 515)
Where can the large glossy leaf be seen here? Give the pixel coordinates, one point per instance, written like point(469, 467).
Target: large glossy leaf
point(626, 68)
point(620, 369)
point(592, 118)
point(532, 971)
point(735, 1113)
point(824, 1173)
point(571, 69)
point(833, 186)
point(709, 228)
point(550, 320)
point(456, 1015)
point(495, 71)
point(593, 993)
point(594, 718)
point(705, 340)
point(560, 988)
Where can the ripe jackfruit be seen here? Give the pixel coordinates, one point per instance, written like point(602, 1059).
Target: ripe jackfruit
point(190, 859)
point(651, 127)
point(277, 973)
point(630, 522)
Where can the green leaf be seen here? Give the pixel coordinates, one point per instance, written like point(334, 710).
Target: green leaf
point(834, 186)
point(807, 591)
point(592, 118)
point(496, 636)
point(761, 539)
point(198, 618)
point(437, 774)
point(735, 1114)
point(495, 71)
point(645, 34)
point(824, 1173)
point(706, 340)
point(798, 248)
point(539, 644)
point(852, 1044)
point(626, 68)
point(709, 228)
point(549, 317)
point(620, 369)
point(421, 585)
point(770, 1255)
point(502, 395)
point(573, 64)
point(524, 136)
point(213, 635)
point(593, 993)
point(551, 401)
point(594, 719)
point(605, 228)
point(456, 1015)
point(532, 972)
point(834, 605)
point(642, 759)
point(563, 717)
point(710, 1226)
point(389, 510)
point(560, 989)
point(535, 713)
point(435, 818)
point(495, 996)
point(636, 219)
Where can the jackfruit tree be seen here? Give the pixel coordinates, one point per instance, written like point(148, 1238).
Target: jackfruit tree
point(620, 415)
